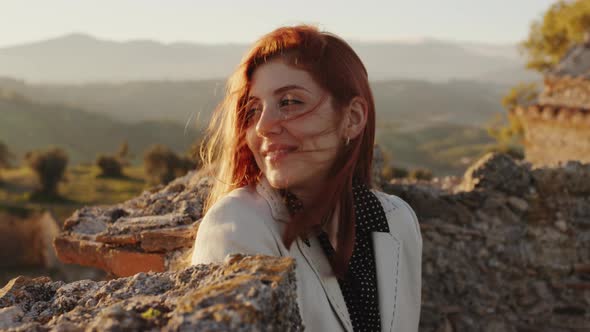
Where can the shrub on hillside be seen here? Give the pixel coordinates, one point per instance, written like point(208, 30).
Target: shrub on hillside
point(398, 172)
point(49, 166)
point(109, 166)
point(5, 157)
point(163, 165)
point(184, 165)
point(420, 174)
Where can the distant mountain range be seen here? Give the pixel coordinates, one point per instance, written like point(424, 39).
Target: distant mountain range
point(27, 124)
point(433, 98)
point(80, 58)
point(190, 103)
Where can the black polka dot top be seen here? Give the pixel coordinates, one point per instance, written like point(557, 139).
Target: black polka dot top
point(359, 287)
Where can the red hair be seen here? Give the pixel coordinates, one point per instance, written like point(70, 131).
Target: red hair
point(334, 65)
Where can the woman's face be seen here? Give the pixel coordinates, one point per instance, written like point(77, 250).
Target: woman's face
point(292, 148)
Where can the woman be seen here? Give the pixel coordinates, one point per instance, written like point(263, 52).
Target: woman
point(292, 145)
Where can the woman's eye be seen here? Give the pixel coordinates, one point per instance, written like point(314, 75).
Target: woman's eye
point(287, 102)
point(252, 112)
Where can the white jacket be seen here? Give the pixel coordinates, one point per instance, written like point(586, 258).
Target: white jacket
point(251, 221)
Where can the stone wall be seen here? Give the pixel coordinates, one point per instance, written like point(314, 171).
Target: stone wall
point(570, 92)
point(506, 250)
point(555, 135)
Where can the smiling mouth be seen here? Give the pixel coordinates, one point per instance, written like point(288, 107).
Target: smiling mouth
point(278, 154)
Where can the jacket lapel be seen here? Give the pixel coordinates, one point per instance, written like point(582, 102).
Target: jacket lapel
point(387, 257)
point(277, 207)
point(321, 266)
point(314, 255)
point(387, 249)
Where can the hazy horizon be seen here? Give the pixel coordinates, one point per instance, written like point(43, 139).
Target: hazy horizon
point(400, 40)
point(221, 22)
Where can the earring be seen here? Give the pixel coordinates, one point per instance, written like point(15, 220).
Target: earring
point(347, 141)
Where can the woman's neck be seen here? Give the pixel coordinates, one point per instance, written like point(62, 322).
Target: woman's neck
point(306, 197)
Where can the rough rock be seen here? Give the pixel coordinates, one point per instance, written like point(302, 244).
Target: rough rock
point(146, 233)
point(506, 247)
point(246, 293)
point(506, 250)
point(497, 172)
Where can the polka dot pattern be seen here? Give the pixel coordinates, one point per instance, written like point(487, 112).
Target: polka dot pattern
point(359, 287)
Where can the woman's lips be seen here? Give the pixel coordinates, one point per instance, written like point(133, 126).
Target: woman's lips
point(277, 153)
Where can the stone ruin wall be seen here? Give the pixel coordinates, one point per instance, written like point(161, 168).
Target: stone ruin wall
point(572, 92)
point(555, 134)
point(508, 249)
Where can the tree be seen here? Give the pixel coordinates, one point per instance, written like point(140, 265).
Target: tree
point(521, 94)
point(49, 166)
point(163, 165)
point(399, 172)
point(420, 174)
point(509, 135)
point(109, 166)
point(123, 154)
point(5, 156)
point(564, 24)
point(509, 131)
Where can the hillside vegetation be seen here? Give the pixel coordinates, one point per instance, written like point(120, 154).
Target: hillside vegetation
point(27, 125)
point(443, 148)
point(82, 187)
point(183, 102)
point(422, 124)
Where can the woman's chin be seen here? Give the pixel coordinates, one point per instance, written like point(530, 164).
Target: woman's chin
point(279, 181)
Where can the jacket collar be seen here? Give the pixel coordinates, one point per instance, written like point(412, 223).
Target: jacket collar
point(315, 257)
point(278, 208)
point(387, 250)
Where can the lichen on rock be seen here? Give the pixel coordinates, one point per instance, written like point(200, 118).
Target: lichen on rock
point(245, 293)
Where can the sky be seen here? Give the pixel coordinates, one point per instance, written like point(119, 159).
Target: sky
point(224, 21)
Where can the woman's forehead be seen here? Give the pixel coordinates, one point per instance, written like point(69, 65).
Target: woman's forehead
point(276, 74)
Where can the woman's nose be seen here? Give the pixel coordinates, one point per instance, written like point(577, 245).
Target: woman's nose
point(269, 122)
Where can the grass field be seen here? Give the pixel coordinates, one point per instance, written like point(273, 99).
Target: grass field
point(82, 186)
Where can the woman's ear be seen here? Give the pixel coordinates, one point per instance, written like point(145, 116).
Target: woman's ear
point(355, 118)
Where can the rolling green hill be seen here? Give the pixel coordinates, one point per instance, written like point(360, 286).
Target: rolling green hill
point(439, 126)
point(414, 102)
point(26, 125)
point(446, 149)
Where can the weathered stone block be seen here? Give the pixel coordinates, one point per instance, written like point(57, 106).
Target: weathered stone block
point(246, 293)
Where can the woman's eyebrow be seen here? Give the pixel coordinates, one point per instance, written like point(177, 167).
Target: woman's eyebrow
point(289, 87)
point(283, 89)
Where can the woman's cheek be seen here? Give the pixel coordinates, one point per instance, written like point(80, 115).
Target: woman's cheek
point(253, 143)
